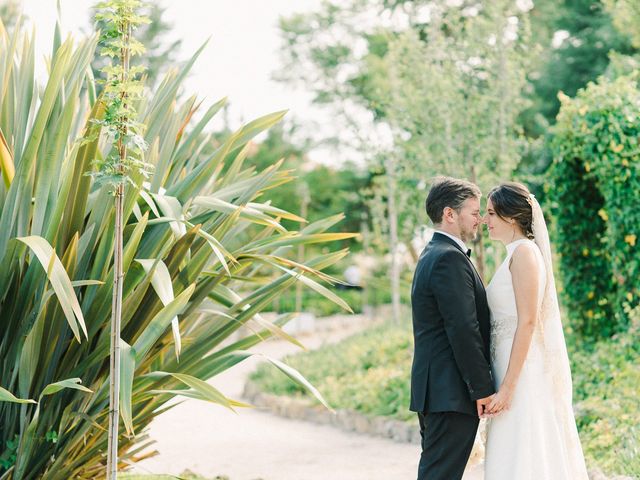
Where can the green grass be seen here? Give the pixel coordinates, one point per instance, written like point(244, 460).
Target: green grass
point(370, 373)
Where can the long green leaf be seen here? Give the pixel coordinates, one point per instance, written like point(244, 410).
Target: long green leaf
point(7, 396)
point(73, 383)
point(59, 281)
point(7, 167)
point(127, 369)
point(160, 322)
point(204, 390)
point(297, 377)
point(161, 282)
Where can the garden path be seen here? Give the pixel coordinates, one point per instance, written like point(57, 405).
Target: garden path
point(253, 444)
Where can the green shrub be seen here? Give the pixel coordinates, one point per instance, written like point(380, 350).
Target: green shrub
point(595, 188)
point(368, 372)
point(606, 382)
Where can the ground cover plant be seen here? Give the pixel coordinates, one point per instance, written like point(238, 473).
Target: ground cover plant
point(369, 373)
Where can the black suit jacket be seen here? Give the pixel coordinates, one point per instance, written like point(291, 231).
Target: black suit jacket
point(450, 330)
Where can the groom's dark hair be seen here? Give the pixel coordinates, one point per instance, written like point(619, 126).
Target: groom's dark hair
point(448, 192)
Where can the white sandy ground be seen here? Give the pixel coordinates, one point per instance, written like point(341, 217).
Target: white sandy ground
point(210, 440)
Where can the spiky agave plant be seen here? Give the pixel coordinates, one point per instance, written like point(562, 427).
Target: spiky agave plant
point(200, 252)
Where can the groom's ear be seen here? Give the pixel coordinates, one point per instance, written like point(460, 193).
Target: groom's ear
point(448, 215)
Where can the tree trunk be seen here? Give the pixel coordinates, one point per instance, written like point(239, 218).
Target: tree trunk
point(118, 277)
point(364, 278)
point(116, 317)
point(479, 253)
point(412, 251)
point(393, 237)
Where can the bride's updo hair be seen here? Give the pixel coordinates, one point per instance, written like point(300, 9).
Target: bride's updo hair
point(513, 200)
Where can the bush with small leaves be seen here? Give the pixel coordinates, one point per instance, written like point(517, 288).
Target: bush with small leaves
point(595, 190)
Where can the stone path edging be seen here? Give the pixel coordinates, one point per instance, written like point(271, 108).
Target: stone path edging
point(352, 421)
point(344, 419)
point(349, 420)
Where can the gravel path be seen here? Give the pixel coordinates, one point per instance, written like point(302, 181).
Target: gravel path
point(210, 440)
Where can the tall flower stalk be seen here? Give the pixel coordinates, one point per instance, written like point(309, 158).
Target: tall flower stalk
point(124, 165)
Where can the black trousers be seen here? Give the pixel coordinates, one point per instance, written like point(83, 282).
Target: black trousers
point(447, 440)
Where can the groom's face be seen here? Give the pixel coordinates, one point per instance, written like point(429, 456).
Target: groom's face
point(469, 219)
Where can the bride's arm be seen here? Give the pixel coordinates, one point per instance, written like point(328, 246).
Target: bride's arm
point(524, 274)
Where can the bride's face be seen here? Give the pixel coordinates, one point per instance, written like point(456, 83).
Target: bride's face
point(499, 229)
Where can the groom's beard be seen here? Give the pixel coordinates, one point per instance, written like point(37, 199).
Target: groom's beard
point(468, 236)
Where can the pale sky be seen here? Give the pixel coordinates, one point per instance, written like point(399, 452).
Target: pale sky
point(238, 62)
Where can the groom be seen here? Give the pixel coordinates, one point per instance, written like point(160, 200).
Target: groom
point(451, 380)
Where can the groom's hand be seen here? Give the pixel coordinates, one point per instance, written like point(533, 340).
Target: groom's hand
point(482, 403)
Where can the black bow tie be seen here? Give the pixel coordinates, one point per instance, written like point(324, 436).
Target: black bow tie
point(469, 253)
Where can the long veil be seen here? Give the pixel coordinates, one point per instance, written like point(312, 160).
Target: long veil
point(550, 323)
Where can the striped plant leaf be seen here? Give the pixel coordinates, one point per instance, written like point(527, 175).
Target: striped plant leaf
point(200, 246)
point(60, 282)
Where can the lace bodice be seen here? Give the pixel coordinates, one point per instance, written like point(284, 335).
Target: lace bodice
point(502, 299)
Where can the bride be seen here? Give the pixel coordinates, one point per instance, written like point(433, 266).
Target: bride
point(531, 434)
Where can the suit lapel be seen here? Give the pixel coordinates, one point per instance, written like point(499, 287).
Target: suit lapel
point(438, 237)
point(478, 277)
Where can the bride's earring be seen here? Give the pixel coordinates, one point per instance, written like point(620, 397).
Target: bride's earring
point(513, 228)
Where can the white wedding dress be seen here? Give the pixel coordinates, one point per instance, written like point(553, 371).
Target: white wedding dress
point(537, 438)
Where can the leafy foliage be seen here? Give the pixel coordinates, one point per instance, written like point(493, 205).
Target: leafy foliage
point(595, 187)
point(441, 85)
point(464, 99)
point(605, 380)
point(626, 17)
point(366, 372)
point(123, 89)
point(572, 61)
point(202, 257)
point(124, 163)
point(159, 52)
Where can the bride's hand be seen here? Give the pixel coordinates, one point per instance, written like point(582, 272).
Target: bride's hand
point(501, 401)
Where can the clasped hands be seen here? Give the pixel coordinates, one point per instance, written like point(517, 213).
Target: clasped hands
point(495, 404)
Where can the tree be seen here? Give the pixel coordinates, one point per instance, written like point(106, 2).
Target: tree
point(124, 166)
point(457, 114)
point(575, 38)
point(158, 55)
point(9, 13)
point(449, 81)
point(595, 185)
point(626, 18)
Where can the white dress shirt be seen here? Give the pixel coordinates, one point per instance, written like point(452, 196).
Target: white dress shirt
point(455, 239)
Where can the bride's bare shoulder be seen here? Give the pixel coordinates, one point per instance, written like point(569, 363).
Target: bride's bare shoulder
point(524, 257)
